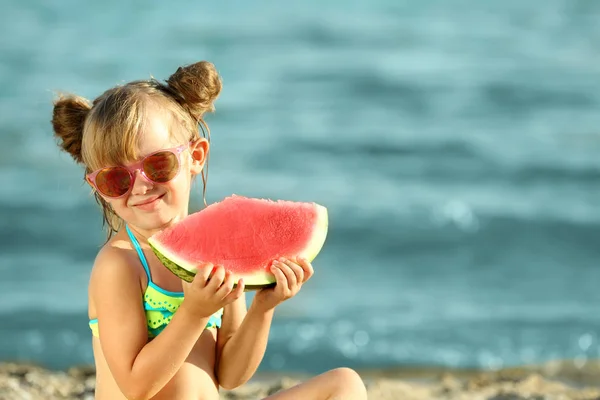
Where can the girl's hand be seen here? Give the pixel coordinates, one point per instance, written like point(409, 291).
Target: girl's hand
point(290, 276)
point(211, 290)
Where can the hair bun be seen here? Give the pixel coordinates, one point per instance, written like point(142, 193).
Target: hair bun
point(198, 86)
point(68, 119)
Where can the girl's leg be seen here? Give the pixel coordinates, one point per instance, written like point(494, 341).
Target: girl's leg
point(338, 384)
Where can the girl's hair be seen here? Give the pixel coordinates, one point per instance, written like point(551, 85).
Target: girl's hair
point(107, 130)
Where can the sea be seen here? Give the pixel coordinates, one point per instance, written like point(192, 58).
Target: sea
point(455, 144)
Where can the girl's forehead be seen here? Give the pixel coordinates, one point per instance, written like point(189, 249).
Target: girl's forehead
point(156, 134)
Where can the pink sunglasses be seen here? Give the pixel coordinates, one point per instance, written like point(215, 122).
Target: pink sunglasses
point(158, 167)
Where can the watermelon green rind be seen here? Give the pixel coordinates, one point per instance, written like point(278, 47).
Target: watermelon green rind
point(172, 266)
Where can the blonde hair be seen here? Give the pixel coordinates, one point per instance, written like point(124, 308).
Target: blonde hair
point(107, 130)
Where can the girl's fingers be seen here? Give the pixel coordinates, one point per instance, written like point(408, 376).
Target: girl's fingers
point(306, 267)
point(289, 274)
point(297, 270)
point(227, 286)
point(216, 280)
point(281, 279)
point(237, 292)
point(202, 275)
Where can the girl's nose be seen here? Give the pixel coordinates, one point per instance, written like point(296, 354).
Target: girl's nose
point(141, 184)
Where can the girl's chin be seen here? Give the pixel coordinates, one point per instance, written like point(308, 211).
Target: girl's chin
point(155, 221)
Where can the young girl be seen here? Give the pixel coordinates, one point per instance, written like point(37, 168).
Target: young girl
point(154, 335)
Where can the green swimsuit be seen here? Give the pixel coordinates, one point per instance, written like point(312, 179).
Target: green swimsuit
point(159, 304)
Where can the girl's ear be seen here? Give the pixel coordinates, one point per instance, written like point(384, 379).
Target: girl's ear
point(199, 151)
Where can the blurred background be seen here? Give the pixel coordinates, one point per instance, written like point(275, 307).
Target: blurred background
point(455, 144)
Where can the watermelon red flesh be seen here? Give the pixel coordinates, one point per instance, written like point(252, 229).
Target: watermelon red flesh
point(244, 235)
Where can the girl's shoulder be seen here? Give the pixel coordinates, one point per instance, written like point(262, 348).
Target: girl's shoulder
point(116, 264)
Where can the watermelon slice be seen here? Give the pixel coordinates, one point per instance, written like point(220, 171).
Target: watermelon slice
point(244, 235)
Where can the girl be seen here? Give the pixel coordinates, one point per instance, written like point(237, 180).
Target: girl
point(154, 335)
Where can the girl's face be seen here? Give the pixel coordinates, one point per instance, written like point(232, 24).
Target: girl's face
point(151, 206)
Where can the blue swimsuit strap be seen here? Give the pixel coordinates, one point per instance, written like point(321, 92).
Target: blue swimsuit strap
point(138, 248)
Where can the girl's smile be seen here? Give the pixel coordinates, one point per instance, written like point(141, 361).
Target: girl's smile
point(150, 204)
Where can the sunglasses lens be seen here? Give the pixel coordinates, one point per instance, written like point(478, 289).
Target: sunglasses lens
point(161, 167)
point(113, 182)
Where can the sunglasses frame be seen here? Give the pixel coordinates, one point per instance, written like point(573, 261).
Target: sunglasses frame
point(137, 166)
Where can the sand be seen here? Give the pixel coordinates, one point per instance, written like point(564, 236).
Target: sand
point(556, 380)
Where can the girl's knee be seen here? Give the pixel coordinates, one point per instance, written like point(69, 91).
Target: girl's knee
point(344, 373)
point(347, 378)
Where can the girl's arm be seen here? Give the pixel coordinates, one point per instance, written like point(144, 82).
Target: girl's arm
point(241, 350)
point(142, 369)
point(241, 343)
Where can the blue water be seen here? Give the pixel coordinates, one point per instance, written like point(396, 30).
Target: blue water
point(455, 144)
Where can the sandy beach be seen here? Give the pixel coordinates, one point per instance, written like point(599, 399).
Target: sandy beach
point(556, 380)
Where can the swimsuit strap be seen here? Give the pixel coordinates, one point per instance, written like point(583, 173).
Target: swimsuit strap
point(138, 248)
